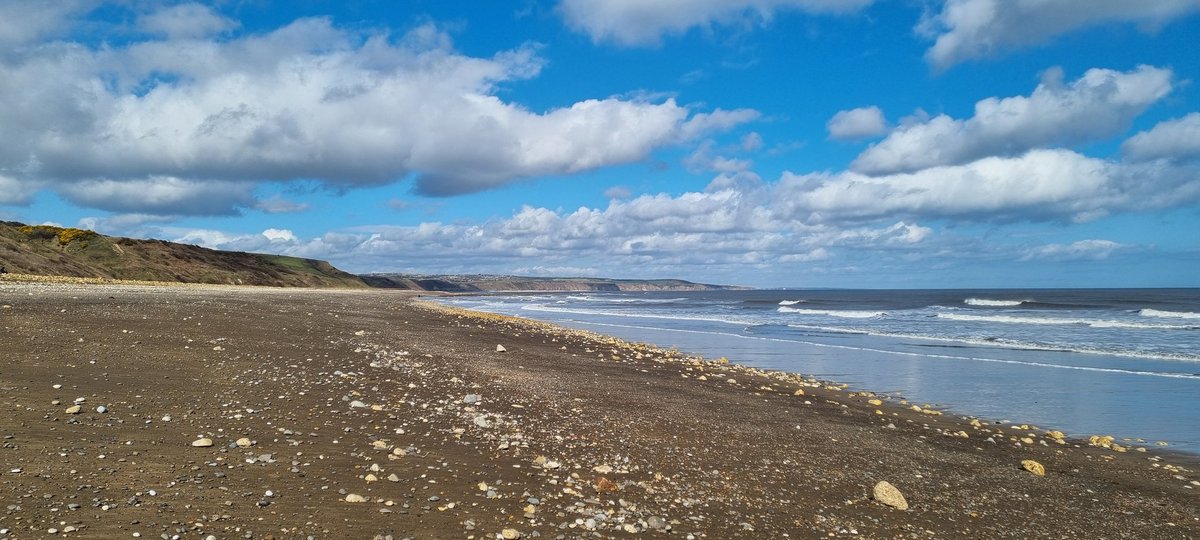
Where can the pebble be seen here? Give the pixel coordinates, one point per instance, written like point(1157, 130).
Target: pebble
point(510, 534)
point(356, 404)
point(471, 399)
point(500, 348)
point(656, 522)
point(355, 498)
point(203, 442)
point(1033, 467)
point(74, 409)
point(886, 493)
point(102, 409)
point(244, 442)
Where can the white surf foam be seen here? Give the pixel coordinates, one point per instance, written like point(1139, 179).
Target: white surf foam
point(618, 314)
point(843, 314)
point(984, 302)
point(790, 302)
point(1094, 323)
point(1169, 314)
point(914, 354)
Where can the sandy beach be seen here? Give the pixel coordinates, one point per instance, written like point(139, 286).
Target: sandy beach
point(235, 412)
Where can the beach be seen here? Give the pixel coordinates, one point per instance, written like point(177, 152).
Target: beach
point(237, 412)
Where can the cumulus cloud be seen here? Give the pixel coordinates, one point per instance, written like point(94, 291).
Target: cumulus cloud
point(1099, 104)
point(1038, 185)
point(23, 22)
point(305, 102)
point(1176, 139)
point(729, 227)
point(708, 158)
point(824, 221)
point(279, 235)
point(811, 218)
point(188, 20)
point(967, 29)
point(14, 191)
point(161, 195)
point(130, 225)
point(638, 22)
point(857, 123)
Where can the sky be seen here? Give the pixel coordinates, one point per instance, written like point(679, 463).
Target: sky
point(769, 143)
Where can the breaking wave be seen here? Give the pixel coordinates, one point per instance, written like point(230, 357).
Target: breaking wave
point(984, 302)
point(844, 314)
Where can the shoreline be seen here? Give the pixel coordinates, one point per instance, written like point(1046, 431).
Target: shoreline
point(564, 434)
point(1014, 383)
point(889, 400)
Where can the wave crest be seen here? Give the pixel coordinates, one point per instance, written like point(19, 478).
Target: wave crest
point(1169, 314)
point(985, 302)
point(844, 314)
point(1094, 323)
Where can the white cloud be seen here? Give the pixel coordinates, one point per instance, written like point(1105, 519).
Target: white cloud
point(1095, 250)
point(1038, 185)
point(304, 102)
point(640, 22)
point(823, 221)
point(556, 271)
point(188, 20)
point(1172, 139)
point(279, 235)
point(1099, 104)
point(14, 191)
point(707, 158)
point(724, 228)
point(23, 21)
point(161, 195)
point(819, 254)
point(857, 123)
point(967, 29)
point(751, 142)
point(130, 225)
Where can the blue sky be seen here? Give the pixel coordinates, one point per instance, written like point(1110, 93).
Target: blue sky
point(791, 143)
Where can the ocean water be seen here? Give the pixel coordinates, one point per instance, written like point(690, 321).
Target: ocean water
point(1124, 362)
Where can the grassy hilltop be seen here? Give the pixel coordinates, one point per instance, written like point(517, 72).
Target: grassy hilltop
point(56, 251)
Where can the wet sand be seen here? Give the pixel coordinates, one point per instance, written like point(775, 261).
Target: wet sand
point(370, 396)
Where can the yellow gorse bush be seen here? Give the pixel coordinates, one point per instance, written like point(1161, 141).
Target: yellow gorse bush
point(65, 235)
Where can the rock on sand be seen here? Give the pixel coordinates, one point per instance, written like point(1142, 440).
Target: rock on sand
point(889, 495)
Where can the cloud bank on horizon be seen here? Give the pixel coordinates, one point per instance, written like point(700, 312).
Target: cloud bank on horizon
point(417, 141)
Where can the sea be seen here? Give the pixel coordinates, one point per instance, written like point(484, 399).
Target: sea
point(1121, 362)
